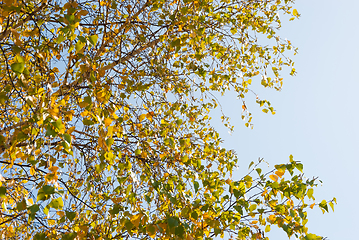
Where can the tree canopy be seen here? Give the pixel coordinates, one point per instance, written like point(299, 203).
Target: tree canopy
point(105, 130)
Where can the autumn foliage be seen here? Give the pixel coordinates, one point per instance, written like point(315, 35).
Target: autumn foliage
point(104, 120)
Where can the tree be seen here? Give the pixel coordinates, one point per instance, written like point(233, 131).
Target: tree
point(105, 127)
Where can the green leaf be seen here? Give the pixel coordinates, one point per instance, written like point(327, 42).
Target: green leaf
point(79, 45)
point(2, 191)
point(176, 43)
point(21, 137)
point(70, 215)
point(172, 222)
point(180, 230)
point(250, 165)
point(87, 122)
point(34, 208)
point(57, 203)
point(323, 205)
point(60, 39)
point(196, 186)
point(40, 236)
point(45, 192)
point(18, 67)
point(58, 125)
point(50, 131)
point(299, 166)
point(69, 236)
point(3, 98)
point(48, 189)
point(138, 152)
point(82, 39)
point(67, 138)
point(93, 39)
point(20, 206)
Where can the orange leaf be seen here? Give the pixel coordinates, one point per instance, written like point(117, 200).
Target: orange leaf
point(279, 173)
point(108, 122)
point(135, 219)
point(273, 177)
point(272, 218)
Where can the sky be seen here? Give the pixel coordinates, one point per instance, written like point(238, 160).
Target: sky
point(316, 116)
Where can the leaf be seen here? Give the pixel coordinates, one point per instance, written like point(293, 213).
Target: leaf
point(176, 42)
point(310, 193)
point(58, 125)
point(21, 206)
point(70, 215)
point(250, 165)
point(67, 138)
point(87, 122)
point(172, 222)
point(93, 39)
point(40, 236)
point(279, 173)
point(273, 177)
point(135, 220)
point(34, 208)
point(253, 207)
point(18, 67)
point(69, 236)
point(57, 203)
point(79, 46)
point(331, 205)
point(3, 98)
point(2, 192)
point(295, 13)
point(311, 236)
point(48, 189)
point(323, 205)
point(196, 186)
point(45, 192)
point(50, 131)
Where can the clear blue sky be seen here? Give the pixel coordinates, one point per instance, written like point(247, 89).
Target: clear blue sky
point(317, 114)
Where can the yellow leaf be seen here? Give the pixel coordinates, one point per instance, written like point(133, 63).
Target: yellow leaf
point(311, 206)
point(135, 219)
point(71, 129)
point(273, 177)
point(141, 117)
point(51, 222)
point(32, 170)
point(295, 13)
